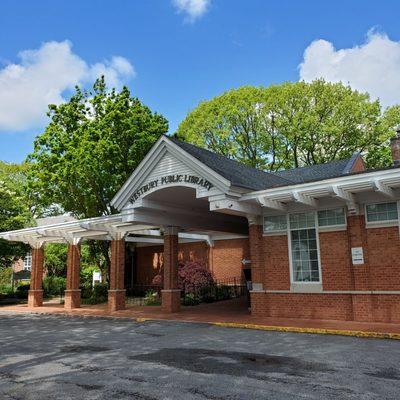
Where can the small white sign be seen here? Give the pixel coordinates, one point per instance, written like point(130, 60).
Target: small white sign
point(357, 255)
point(96, 277)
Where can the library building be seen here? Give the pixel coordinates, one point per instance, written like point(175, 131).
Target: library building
point(316, 242)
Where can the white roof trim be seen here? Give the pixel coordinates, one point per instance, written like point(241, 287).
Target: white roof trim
point(157, 151)
point(344, 184)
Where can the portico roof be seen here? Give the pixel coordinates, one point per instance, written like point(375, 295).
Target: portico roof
point(208, 195)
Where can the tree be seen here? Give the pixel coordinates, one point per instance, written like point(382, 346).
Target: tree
point(14, 211)
point(55, 258)
point(90, 147)
point(390, 121)
point(287, 125)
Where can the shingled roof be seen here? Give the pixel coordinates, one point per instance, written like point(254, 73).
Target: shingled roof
point(251, 178)
point(319, 172)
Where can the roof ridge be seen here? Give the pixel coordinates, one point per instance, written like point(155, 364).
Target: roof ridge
point(314, 165)
point(238, 173)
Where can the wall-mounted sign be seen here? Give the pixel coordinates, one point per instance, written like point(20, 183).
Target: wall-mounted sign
point(165, 180)
point(357, 255)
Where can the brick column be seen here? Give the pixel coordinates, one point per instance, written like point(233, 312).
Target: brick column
point(357, 237)
point(35, 294)
point(73, 293)
point(256, 255)
point(257, 296)
point(171, 295)
point(116, 294)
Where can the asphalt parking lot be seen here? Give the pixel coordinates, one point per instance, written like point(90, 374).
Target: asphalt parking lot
point(58, 357)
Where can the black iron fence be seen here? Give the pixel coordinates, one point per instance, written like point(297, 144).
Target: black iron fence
point(141, 295)
point(190, 294)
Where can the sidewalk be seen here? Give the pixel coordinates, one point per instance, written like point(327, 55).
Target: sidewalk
point(225, 313)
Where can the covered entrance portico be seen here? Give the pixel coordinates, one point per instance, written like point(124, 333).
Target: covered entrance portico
point(165, 202)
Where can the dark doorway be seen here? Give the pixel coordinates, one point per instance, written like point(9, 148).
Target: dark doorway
point(130, 266)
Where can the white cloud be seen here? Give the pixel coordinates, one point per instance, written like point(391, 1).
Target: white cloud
point(42, 76)
point(372, 67)
point(193, 9)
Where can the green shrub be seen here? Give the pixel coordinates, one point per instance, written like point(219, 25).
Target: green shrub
point(97, 295)
point(5, 276)
point(53, 285)
point(22, 290)
point(86, 275)
point(7, 290)
point(151, 298)
point(224, 292)
point(208, 294)
point(190, 300)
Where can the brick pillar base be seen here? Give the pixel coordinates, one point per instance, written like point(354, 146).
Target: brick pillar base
point(35, 298)
point(72, 299)
point(171, 300)
point(116, 300)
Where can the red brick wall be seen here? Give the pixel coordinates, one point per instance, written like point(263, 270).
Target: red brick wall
point(226, 257)
point(384, 258)
point(380, 272)
point(369, 308)
point(149, 261)
point(275, 257)
point(197, 251)
point(18, 265)
point(359, 165)
point(223, 260)
point(335, 261)
point(301, 305)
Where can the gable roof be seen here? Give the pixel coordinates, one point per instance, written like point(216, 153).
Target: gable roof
point(237, 173)
point(251, 178)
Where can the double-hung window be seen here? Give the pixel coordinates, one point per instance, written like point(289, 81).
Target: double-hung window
point(304, 248)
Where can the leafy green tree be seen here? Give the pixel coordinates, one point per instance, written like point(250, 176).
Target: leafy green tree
point(287, 125)
point(89, 149)
point(381, 155)
point(55, 259)
point(14, 211)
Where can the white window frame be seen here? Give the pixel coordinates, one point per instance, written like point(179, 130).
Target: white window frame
point(275, 232)
point(29, 257)
point(292, 281)
point(382, 224)
point(325, 228)
point(333, 228)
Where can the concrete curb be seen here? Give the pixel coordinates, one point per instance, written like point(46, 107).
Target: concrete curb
point(361, 334)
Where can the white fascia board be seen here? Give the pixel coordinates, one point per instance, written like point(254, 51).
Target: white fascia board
point(300, 197)
point(381, 187)
point(158, 150)
point(151, 159)
point(218, 180)
point(270, 203)
point(115, 202)
point(65, 227)
point(144, 240)
point(233, 205)
point(357, 182)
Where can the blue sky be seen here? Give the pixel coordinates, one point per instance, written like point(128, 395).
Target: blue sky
point(175, 53)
